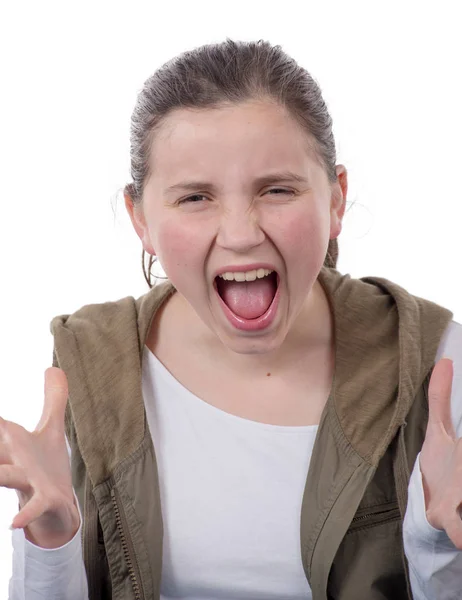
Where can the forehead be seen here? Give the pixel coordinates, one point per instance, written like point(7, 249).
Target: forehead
point(242, 138)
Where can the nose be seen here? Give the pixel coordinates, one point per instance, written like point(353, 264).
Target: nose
point(239, 230)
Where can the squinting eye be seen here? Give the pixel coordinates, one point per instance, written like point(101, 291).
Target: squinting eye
point(280, 190)
point(189, 198)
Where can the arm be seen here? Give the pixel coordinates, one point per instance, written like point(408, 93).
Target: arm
point(435, 563)
point(40, 573)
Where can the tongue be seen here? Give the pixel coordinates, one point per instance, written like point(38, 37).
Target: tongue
point(248, 299)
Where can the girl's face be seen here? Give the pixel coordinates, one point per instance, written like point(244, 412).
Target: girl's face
point(236, 190)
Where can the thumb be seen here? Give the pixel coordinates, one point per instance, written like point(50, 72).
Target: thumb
point(439, 396)
point(54, 406)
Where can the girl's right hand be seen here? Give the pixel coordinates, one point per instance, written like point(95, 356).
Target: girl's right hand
point(36, 465)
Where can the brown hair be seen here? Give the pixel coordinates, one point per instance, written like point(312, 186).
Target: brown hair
point(229, 72)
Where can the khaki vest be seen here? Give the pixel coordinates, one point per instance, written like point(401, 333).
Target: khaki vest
point(370, 433)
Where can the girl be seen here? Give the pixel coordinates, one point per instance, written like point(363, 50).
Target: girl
point(259, 425)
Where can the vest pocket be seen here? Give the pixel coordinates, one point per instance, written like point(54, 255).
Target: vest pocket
point(369, 562)
point(374, 515)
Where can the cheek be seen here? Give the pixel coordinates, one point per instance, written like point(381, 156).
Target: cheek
point(304, 236)
point(180, 249)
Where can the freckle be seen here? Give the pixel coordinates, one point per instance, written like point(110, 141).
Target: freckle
point(268, 374)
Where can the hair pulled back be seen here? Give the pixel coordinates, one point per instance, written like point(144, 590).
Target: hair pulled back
point(229, 72)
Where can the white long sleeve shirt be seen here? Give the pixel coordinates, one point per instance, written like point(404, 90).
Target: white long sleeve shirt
point(234, 459)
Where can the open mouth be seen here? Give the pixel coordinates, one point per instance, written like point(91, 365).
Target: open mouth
point(249, 299)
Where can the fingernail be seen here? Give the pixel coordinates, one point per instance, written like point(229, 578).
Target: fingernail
point(11, 528)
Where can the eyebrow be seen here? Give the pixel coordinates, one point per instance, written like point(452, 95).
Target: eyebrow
point(263, 180)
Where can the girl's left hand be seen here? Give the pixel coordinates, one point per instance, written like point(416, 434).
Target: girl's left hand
point(441, 457)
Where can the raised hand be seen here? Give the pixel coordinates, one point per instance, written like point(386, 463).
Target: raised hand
point(441, 457)
point(36, 465)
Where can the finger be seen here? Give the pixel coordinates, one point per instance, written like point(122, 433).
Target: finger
point(3, 426)
point(54, 407)
point(13, 477)
point(34, 509)
point(5, 458)
point(439, 396)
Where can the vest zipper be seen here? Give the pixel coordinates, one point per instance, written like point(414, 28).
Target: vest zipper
point(355, 519)
point(128, 551)
point(380, 516)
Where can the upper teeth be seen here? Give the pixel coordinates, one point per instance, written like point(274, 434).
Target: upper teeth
point(245, 275)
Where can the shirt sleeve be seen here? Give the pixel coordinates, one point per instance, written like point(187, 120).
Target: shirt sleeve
point(435, 564)
point(51, 574)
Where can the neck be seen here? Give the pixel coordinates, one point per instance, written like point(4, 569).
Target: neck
point(310, 334)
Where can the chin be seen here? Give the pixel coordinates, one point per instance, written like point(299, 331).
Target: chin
point(252, 345)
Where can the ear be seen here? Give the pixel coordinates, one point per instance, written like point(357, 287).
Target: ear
point(139, 223)
point(338, 201)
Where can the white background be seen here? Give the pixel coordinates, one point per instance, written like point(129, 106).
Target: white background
point(70, 73)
